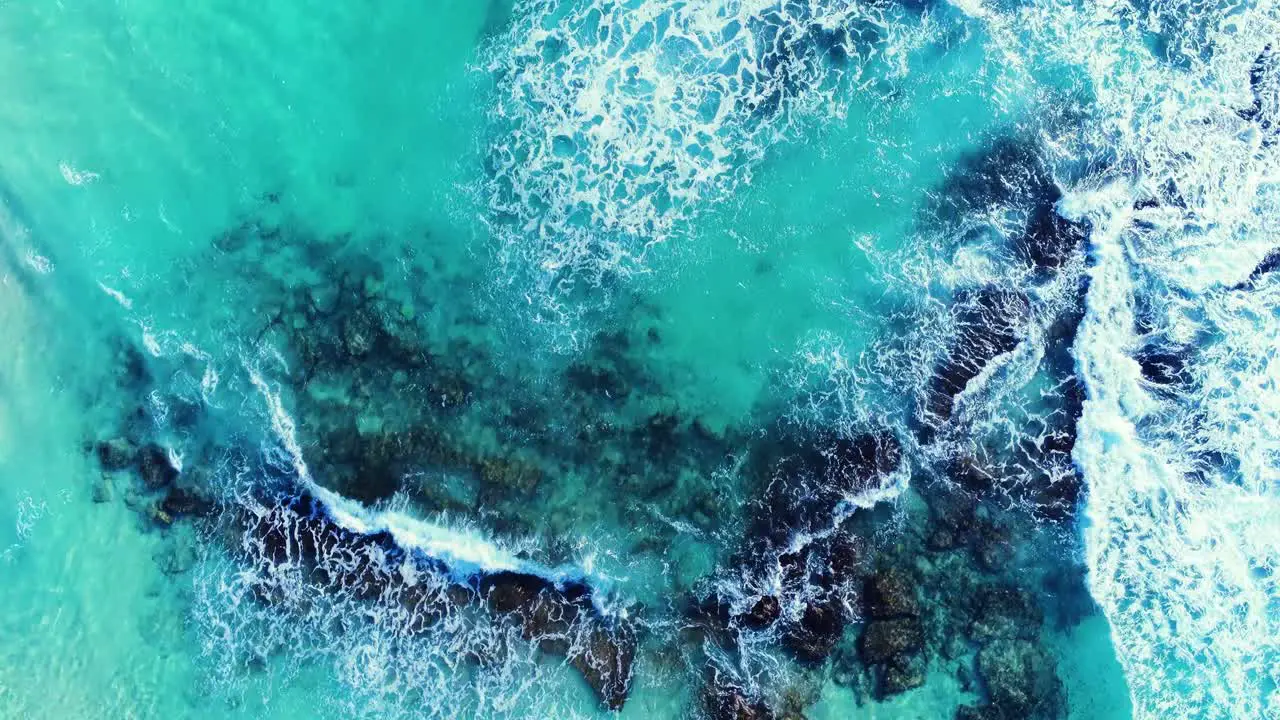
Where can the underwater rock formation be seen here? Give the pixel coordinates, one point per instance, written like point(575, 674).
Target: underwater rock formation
point(559, 617)
point(403, 395)
point(1021, 680)
point(988, 323)
point(809, 477)
point(166, 494)
point(1050, 240)
point(722, 700)
point(813, 637)
point(892, 641)
point(1011, 180)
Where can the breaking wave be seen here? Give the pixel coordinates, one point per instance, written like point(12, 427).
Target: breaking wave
point(1178, 438)
point(414, 618)
point(1170, 172)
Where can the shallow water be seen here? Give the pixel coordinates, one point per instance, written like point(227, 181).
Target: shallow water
point(732, 359)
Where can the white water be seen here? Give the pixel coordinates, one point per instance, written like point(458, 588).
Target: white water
point(464, 552)
point(1184, 484)
point(625, 118)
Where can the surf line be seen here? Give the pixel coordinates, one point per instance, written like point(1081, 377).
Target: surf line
point(424, 567)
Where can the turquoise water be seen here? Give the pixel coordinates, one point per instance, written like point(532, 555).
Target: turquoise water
point(655, 359)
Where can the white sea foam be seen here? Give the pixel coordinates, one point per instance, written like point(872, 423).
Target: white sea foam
point(464, 552)
point(1183, 480)
point(413, 649)
point(1183, 491)
point(618, 120)
point(73, 176)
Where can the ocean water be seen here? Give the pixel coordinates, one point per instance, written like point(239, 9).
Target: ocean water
point(652, 359)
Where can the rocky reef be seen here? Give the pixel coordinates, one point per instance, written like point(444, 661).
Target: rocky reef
point(299, 534)
point(404, 400)
point(406, 393)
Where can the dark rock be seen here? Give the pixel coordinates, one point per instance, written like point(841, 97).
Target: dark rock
point(882, 640)
point(846, 557)
point(709, 622)
point(811, 475)
point(1021, 679)
point(993, 550)
point(942, 539)
point(978, 712)
point(186, 501)
point(560, 618)
point(902, 673)
point(553, 616)
point(762, 614)
point(891, 593)
point(508, 592)
point(955, 646)
point(1005, 611)
point(951, 520)
point(1050, 239)
point(1161, 366)
point(820, 627)
point(724, 701)
point(1059, 500)
point(116, 454)
point(969, 474)
point(154, 467)
point(711, 610)
point(988, 323)
point(605, 661)
point(858, 463)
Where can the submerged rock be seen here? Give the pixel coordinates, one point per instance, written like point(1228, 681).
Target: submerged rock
point(762, 614)
point(1005, 611)
point(116, 454)
point(154, 467)
point(1021, 679)
point(884, 640)
point(725, 701)
point(605, 661)
point(891, 593)
point(902, 673)
point(988, 323)
point(813, 637)
point(1050, 239)
point(103, 489)
point(182, 501)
